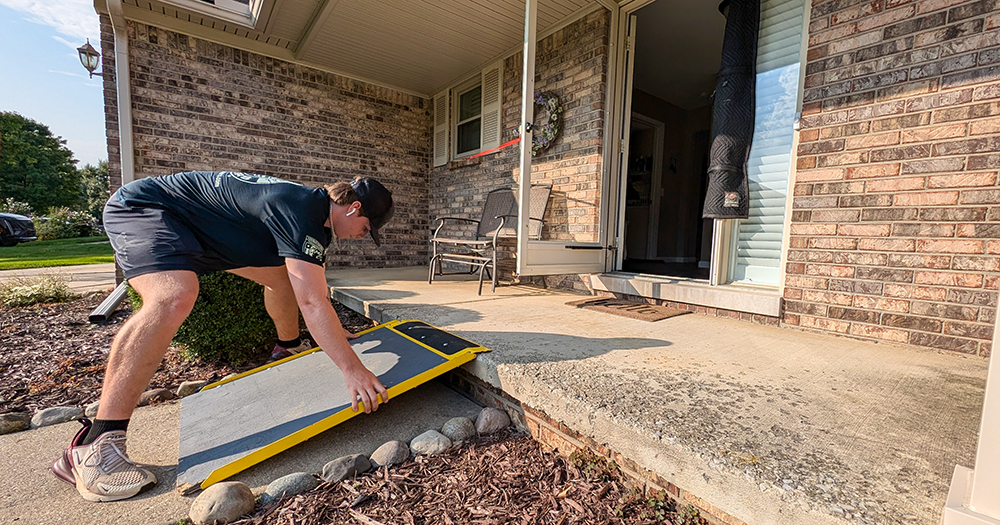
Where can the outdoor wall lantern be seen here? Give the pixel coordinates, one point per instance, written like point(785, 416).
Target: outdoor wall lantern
point(90, 58)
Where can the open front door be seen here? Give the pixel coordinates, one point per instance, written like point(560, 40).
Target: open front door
point(575, 241)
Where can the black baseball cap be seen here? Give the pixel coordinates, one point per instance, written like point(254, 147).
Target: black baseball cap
point(376, 202)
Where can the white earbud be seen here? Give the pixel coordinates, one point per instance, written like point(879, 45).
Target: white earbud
point(350, 213)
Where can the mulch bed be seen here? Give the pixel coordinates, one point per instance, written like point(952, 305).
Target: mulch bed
point(498, 479)
point(50, 355)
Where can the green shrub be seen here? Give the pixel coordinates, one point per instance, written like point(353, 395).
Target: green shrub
point(9, 205)
point(64, 223)
point(228, 325)
point(26, 291)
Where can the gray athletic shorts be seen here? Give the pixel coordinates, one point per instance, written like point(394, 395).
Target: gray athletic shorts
point(148, 240)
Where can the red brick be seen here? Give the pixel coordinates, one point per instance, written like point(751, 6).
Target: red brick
point(808, 135)
point(926, 6)
point(886, 245)
point(923, 229)
point(879, 332)
point(939, 100)
point(824, 324)
point(840, 159)
point(813, 229)
point(910, 291)
point(870, 141)
point(942, 198)
point(962, 180)
point(829, 270)
point(919, 261)
point(854, 42)
point(949, 246)
point(873, 170)
point(806, 282)
point(887, 17)
point(949, 131)
point(864, 230)
point(897, 184)
point(982, 127)
point(832, 243)
point(833, 33)
point(881, 303)
point(804, 163)
point(815, 175)
point(860, 258)
point(933, 165)
point(835, 215)
point(964, 280)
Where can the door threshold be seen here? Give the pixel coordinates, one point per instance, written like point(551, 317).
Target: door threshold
point(739, 298)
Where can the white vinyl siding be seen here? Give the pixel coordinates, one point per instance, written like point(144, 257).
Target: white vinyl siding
point(441, 129)
point(758, 239)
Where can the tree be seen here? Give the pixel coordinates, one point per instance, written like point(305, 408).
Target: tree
point(35, 166)
point(94, 188)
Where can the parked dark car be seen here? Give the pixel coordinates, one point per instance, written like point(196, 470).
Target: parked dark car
point(15, 228)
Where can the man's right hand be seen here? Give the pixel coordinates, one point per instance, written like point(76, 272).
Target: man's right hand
point(363, 385)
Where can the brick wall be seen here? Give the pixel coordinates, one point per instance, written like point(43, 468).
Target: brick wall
point(896, 210)
point(572, 64)
point(198, 105)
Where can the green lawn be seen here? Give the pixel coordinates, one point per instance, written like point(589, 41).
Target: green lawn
point(61, 252)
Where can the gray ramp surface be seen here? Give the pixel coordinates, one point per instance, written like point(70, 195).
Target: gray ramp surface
point(230, 427)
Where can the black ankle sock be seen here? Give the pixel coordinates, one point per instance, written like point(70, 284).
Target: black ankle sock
point(291, 343)
point(104, 425)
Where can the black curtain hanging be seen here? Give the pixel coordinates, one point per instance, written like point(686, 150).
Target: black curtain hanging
point(728, 195)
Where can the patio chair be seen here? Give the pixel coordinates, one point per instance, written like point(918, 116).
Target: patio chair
point(498, 221)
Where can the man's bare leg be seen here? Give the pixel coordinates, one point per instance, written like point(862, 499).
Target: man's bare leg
point(139, 346)
point(279, 298)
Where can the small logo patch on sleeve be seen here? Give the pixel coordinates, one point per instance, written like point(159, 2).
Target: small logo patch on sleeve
point(314, 249)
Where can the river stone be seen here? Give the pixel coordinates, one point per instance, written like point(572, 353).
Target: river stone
point(222, 503)
point(289, 485)
point(91, 410)
point(14, 422)
point(190, 387)
point(491, 420)
point(430, 442)
point(390, 453)
point(156, 395)
point(51, 416)
point(345, 467)
point(459, 429)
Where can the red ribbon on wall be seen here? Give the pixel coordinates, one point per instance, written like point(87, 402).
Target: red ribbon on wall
point(498, 148)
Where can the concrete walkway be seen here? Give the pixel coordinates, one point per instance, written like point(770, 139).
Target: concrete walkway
point(82, 279)
point(770, 425)
point(31, 495)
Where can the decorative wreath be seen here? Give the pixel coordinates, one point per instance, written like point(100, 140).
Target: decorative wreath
point(545, 135)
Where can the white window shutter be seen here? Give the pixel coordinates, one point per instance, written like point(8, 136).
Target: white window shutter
point(492, 77)
point(441, 129)
point(759, 238)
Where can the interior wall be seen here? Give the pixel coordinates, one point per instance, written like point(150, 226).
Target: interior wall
point(680, 204)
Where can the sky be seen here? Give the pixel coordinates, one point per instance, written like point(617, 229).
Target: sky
point(41, 76)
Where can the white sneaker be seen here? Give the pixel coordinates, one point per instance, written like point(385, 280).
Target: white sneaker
point(103, 471)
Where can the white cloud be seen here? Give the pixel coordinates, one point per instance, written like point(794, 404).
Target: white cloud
point(75, 19)
point(67, 73)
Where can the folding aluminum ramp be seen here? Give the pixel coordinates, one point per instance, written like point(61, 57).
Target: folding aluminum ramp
point(234, 424)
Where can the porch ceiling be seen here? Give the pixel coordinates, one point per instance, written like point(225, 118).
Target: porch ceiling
point(420, 46)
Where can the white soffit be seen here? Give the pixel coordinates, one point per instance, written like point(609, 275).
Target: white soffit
point(417, 46)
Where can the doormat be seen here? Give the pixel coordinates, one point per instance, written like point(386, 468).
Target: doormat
point(641, 311)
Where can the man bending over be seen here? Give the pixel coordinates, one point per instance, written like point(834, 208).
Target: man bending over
point(166, 231)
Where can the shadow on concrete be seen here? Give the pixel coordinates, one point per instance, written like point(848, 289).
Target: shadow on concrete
point(540, 347)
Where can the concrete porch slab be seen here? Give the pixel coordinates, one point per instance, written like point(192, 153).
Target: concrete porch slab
point(770, 425)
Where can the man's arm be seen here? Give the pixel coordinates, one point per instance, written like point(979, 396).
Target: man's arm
point(311, 292)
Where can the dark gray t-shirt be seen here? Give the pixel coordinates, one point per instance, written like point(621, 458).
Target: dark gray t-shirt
point(241, 219)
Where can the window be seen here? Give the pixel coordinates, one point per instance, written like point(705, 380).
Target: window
point(474, 123)
point(469, 122)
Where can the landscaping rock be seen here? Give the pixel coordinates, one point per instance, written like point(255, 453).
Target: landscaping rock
point(390, 453)
point(91, 410)
point(222, 503)
point(491, 420)
point(430, 442)
point(14, 422)
point(289, 485)
point(51, 416)
point(157, 395)
point(346, 467)
point(190, 387)
point(459, 429)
